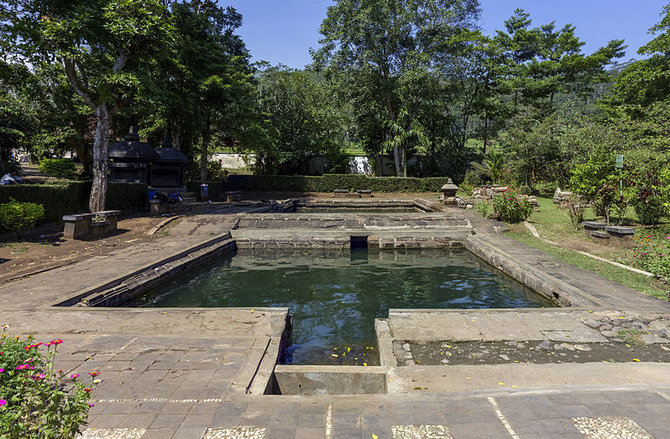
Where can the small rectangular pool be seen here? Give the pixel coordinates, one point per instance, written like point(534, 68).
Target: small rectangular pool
point(334, 297)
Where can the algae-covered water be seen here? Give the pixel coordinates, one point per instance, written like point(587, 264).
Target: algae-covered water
point(335, 297)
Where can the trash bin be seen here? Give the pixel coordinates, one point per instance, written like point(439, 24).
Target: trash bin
point(204, 192)
point(150, 196)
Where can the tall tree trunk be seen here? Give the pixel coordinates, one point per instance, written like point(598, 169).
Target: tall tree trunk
point(403, 161)
point(98, 196)
point(486, 131)
point(206, 138)
point(397, 162)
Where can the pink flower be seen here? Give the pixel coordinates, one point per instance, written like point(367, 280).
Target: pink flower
point(91, 405)
point(2, 402)
point(54, 342)
point(74, 376)
point(94, 374)
point(88, 390)
point(1, 370)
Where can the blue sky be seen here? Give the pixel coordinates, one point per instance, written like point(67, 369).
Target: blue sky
point(282, 31)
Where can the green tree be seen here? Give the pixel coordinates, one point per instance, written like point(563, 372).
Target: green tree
point(383, 48)
point(95, 43)
point(305, 115)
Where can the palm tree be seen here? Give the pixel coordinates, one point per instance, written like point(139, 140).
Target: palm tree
point(493, 165)
point(405, 131)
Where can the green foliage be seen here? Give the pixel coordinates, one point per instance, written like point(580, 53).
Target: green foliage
point(485, 209)
point(306, 119)
point(576, 208)
point(10, 166)
point(66, 197)
point(60, 168)
point(406, 67)
point(493, 167)
point(215, 172)
point(330, 182)
point(38, 401)
point(20, 217)
point(511, 207)
point(652, 253)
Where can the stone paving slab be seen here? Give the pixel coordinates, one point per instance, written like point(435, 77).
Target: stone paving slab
point(490, 325)
point(550, 413)
point(421, 379)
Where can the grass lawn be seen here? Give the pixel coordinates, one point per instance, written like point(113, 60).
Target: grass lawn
point(554, 225)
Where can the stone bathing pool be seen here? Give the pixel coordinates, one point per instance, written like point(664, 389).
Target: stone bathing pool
point(335, 299)
point(335, 296)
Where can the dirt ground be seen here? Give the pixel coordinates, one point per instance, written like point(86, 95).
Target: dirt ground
point(472, 353)
point(44, 248)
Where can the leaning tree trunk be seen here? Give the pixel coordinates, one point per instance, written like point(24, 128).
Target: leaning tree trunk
point(96, 202)
point(204, 155)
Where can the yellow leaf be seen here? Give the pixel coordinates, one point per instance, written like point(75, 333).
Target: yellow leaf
point(501, 384)
point(636, 360)
point(374, 436)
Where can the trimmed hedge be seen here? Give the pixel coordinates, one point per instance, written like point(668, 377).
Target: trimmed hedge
point(65, 197)
point(60, 168)
point(330, 182)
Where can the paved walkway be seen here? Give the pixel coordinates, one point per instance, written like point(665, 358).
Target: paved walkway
point(183, 373)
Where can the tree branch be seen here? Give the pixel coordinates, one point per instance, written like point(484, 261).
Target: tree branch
point(121, 61)
point(73, 79)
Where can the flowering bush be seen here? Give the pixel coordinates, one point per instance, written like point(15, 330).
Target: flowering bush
point(653, 254)
point(35, 400)
point(511, 207)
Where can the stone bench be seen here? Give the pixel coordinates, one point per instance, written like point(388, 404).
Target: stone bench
point(365, 193)
point(90, 225)
point(621, 236)
point(232, 196)
point(340, 193)
point(614, 235)
point(592, 226)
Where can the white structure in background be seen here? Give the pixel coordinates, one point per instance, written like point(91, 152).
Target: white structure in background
point(234, 161)
point(360, 165)
point(357, 164)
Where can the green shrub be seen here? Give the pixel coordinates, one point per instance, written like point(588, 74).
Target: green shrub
point(60, 168)
point(11, 165)
point(62, 197)
point(36, 400)
point(484, 209)
point(652, 253)
point(650, 211)
point(525, 190)
point(215, 172)
point(510, 207)
point(20, 217)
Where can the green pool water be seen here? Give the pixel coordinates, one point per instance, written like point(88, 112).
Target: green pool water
point(335, 297)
